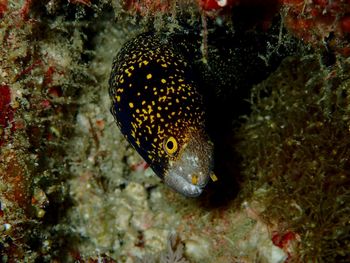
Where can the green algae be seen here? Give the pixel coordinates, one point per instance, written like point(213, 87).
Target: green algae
point(295, 144)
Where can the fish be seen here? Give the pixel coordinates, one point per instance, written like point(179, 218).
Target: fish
point(158, 106)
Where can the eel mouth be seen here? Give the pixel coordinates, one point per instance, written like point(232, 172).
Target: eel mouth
point(183, 186)
point(190, 172)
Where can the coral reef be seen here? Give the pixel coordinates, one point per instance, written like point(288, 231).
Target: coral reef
point(37, 109)
point(71, 189)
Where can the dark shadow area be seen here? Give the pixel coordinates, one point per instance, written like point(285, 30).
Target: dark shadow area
point(238, 57)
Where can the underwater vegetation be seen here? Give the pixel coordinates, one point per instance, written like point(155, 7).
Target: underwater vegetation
point(302, 162)
point(274, 76)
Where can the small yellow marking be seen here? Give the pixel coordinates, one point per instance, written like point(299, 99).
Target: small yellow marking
point(139, 121)
point(121, 81)
point(213, 177)
point(158, 115)
point(131, 105)
point(171, 89)
point(159, 130)
point(164, 65)
point(163, 98)
point(146, 87)
point(118, 98)
point(163, 80)
point(145, 62)
point(145, 117)
point(137, 111)
point(127, 71)
point(194, 179)
point(149, 76)
point(149, 109)
point(143, 102)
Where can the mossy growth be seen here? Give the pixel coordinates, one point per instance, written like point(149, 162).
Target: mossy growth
point(295, 145)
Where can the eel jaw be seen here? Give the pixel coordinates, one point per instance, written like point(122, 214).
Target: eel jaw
point(181, 185)
point(191, 170)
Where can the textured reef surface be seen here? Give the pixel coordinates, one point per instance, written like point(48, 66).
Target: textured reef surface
point(274, 77)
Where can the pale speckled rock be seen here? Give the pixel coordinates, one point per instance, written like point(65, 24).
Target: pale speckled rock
point(136, 193)
point(122, 217)
point(156, 239)
point(198, 248)
point(272, 253)
point(260, 244)
point(83, 122)
point(142, 220)
point(255, 241)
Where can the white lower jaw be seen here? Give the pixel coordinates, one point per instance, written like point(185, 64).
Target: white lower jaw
point(181, 185)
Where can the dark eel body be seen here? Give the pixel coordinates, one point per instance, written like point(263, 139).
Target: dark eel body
point(168, 102)
point(159, 109)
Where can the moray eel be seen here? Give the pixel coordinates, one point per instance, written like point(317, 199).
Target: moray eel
point(159, 109)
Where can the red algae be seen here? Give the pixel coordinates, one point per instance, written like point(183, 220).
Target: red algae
point(318, 22)
point(16, 180)
point(3, 7)
point(6, 112)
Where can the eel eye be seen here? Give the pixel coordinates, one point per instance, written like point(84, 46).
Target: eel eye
point(170, 145)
